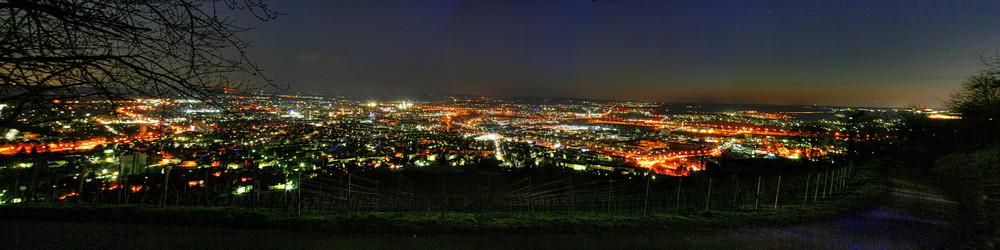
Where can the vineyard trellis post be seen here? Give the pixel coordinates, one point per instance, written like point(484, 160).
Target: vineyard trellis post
point(645, 204)
point(610, 197)
point(843, 181)
point(756, 200)
point(679, 179)
point(805, 198)
point(777, 193)
point(826, 179)
point(816, 191)
point(708, 197)
point(736, 193)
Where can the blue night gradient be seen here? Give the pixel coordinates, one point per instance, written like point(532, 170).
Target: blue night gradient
point(859, 53)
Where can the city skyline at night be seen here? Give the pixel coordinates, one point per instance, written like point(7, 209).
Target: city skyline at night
point(520, 124)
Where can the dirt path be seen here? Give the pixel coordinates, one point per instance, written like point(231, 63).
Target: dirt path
point(913, 216)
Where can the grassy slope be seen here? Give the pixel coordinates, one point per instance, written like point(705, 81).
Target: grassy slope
point(868, 188)
point(973, 179)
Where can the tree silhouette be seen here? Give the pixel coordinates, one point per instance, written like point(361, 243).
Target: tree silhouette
point(979, 98)
point(53, 52)
point(979, 103)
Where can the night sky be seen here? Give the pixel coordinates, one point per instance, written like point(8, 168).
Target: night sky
point(855, 53)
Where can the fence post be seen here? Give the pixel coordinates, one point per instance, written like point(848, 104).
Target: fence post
point(397, 202)
point(805, 198)
point(736, 194)
point(708, 197)
point(777, 192)
point(610, 196)
point(840, 180)
point(166, 183)
point(832, 179)
point(756, 199)
point(816, 190)
point(444, 197)
point(840, 173)
point(840, 176)
point(298, 190)
point(843, 180)
point(531, 199)
point(678, 210)
point(572, 197)
point(836, 182)
point(826, 178)
point(645, 204)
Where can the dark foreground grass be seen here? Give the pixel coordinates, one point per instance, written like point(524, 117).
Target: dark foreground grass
point(868, 189)
point(972, 179)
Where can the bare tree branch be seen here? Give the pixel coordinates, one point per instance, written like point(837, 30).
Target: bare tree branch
point(120, 49)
